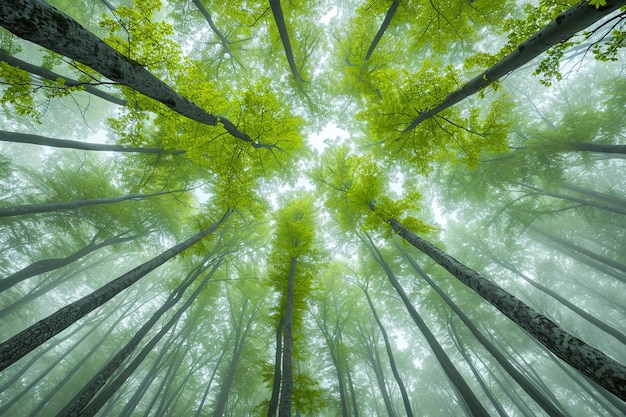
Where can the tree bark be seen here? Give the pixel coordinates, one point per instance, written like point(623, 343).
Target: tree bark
point(47, 265)
point(381, 31)
point(392, 361)
point(29, 339)
point(40, 23)
point(72, 205)
point(466, 396)
point(216, 31)
point(590, 361)
point(568, 23)
point(279, 18)
point(6, 136)
point(278, 356)
point(598, 148)
point(286, 389)
point(53, 76)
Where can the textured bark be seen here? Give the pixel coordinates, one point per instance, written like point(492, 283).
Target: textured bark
point(273, 404)
point(72, 205)
point(53, 76)
point(279, 18)
point(286, 389)
point(6, 136)
point(568, 23)
point(108, 391)
point(47, 265)
point(607, 372)
point(29, 339)
point(517, 376)
point(467, 398)
point(392, 361)
point(40, 23)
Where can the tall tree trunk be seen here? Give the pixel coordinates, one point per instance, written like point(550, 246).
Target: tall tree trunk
point(6, 136)
point(279, 18)
point(392, 361)
point(47, 265)
point(620, 202)
point(40, 23)
point(53, 76)
point(72, 205)
point(278, 358)
point(568, 23)
point(466, 396)
point(107, 392)
point(355, 403)
point(597, 148)
point(590, 361)
point(208, 385)
point(286, 389)
point(381, 31)
point(207, 16)
point(89, 390)
point(27, 340)
point(517, 376)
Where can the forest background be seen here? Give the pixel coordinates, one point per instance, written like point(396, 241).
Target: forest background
point(217, 208)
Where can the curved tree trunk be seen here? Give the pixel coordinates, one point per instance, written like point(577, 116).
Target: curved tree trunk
point(590, 361)
point(29, 339)
point(6, 136)
point(466, 396)
point(53, 76)
point(40, 23)
point(571, 21)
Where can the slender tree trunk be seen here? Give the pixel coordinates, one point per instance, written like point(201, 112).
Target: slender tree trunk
point(53, 76)
point(597, 148)
point(590, 361)
point(392, 361)
point(355, 405)
point(47, 265)
point(208, 385)
point(466, 396)
point(89, 390)
point(109, 5)
point(6, 136)
point(26, 341)
point(207, 16)
point(620, 202)
point(517, 376)
point(286, 390)
point(40, 23)
point(278, 357)
point(279, 18)
point(381, 31)
point(72, 205)
point(110, 389)
point(568, 23)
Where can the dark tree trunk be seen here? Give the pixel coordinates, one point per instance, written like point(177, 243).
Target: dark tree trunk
point(26, 341)
point(392, 361)
point(381, 31)
point(40, 23)
point(72, 205)
point(279, 18)
point(571, 21)
point(590, 361)
point(286, 389)
point(278, 357)
point(47, 265)
point(517, 376)
point(216, 31)
point(74, 144)
point(53, 76)
point(467, 398)
point(598, 148)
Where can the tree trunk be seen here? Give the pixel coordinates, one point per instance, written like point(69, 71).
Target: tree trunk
point(568, 23)
point(107, 392)
point(598, 148)
point(286, 390)
point(72, 205)
point(53, 76)
point(29, 339)
point(596, 365)
point(465, 394)
point(381, 31)
point(6, 136)
point(216, 31)
point(47, 265)
point(279, 18)
point(40, 23)
point(517, 376)
point(278, 357)
point(392, 362)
